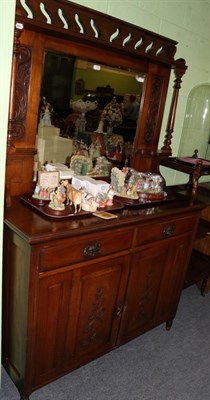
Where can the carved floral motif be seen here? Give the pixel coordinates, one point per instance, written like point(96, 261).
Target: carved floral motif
point(22, 89)
point(152, 114)
point(95, 318)
point(18, 117)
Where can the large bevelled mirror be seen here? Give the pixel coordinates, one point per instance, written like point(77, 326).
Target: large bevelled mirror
point(66, 78)
point(80, 96)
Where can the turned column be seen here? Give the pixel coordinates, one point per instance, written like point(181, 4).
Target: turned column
point(179, 72)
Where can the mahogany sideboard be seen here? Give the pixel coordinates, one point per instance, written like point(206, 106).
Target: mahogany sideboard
point(77, 288)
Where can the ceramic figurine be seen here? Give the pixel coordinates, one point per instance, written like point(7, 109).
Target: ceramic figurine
point(46, 119)
point(89, 202)
point(73, 196)
point(110, 196)
point(58, 197)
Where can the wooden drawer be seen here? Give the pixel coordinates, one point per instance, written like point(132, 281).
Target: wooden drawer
point(163, 230)
point(83, 248)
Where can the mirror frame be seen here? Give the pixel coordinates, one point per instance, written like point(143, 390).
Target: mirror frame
point(81, 31)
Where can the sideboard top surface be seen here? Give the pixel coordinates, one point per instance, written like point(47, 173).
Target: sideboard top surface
point(35, 228)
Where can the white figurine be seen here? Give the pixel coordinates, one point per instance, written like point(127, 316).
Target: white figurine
point(46, 120)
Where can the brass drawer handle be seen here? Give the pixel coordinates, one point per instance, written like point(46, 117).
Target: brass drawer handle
point(169, 230)
point(91, 251)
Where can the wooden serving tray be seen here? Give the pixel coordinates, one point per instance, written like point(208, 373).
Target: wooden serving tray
point(42, 206)
point(144, 200)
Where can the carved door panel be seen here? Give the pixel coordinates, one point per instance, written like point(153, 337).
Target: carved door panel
point(100, 302)
point(145, 278)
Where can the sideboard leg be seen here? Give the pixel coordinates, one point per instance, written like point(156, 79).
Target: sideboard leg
point(24, 397)
point(203, 286)
point(169, 324)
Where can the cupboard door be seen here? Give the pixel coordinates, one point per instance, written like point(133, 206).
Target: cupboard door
point(146, 273)
point(100, 302)
point(78, 315)
point(52, 320)
point(173, 279)
point(154, 287)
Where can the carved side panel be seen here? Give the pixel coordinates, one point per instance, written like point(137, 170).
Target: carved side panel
point(21, 92)
point(18, 119)
point(152, 112)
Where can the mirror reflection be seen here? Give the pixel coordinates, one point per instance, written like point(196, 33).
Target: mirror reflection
point(87, 108)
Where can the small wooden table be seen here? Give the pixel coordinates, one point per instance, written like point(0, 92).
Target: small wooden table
point(194, 167)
